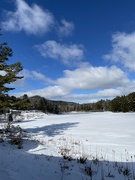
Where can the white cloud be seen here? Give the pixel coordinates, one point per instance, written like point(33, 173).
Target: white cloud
point(108, 93)
point(41, 77)
point(100, 94)
point(95, 96)
point(35, 76)
point(61, 93)
point(31, 75)
point(123, 50)
point(67, 54)
point(51, 92)
point(89, 78)
point(66, 28)
point(33, 20)
point(97, 82)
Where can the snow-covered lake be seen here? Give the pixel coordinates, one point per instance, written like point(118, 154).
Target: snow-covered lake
point(102, 131)
point(106, 136)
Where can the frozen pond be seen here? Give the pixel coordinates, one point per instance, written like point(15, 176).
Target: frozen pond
point(102, 132)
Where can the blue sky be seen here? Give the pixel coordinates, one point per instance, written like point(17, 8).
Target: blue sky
point(72, 50)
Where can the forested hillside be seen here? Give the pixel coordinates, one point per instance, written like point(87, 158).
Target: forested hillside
point(118, 104)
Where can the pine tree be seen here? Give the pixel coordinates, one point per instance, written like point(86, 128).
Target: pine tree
point(8, 73)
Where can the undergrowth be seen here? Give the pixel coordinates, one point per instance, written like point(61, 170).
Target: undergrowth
point(12, 134)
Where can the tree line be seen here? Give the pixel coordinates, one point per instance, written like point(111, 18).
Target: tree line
point(118, 104)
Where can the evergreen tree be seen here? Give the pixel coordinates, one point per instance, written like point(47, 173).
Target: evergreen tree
point(8, 73)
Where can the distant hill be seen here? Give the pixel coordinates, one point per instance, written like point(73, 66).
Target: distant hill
point(118, 104)
point(41, 103)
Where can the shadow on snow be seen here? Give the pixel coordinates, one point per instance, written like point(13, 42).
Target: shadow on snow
point(53, 129)
point(19, 164)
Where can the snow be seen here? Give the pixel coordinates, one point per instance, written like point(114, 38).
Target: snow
point(55, 145)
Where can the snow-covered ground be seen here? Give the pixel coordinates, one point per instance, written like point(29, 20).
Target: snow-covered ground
point(72, 146)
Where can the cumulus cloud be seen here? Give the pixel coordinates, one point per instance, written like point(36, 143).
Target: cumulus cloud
point(62, 93)
point(123, 50)
point(96, 82)
point(51, 92)
point(65, 29)
point(92, 83)
point(67, 54)
point(33, 20)
point(108, 93)
point(101, 94)
point(88, 78)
